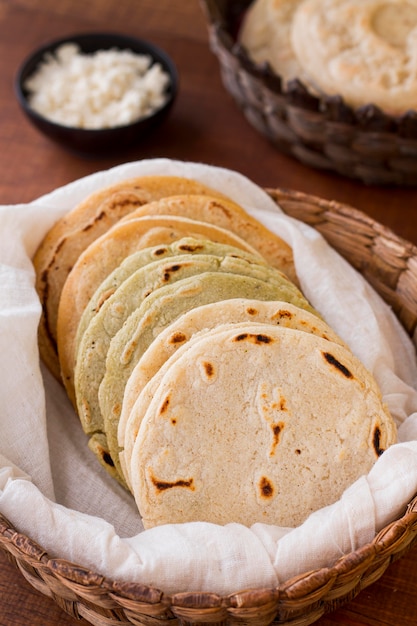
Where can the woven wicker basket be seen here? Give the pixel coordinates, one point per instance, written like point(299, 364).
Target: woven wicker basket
point(324, 133)
point(390, 265)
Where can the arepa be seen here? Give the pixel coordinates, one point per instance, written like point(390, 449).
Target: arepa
point(267, 424)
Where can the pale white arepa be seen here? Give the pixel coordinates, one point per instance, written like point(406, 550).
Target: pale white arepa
point(363, 50)
point(265, 424)
point(266, 35)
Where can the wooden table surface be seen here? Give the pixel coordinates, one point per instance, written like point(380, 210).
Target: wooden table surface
point(205, 126)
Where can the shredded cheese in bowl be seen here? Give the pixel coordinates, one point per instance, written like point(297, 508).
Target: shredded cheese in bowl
point(105, 89)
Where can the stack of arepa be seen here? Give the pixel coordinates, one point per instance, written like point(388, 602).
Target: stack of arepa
point(204, 380)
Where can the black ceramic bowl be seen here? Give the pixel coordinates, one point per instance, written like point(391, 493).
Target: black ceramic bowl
point(97, 141)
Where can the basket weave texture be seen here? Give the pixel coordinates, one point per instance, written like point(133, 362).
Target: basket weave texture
point(321, 132)
point(389, 263)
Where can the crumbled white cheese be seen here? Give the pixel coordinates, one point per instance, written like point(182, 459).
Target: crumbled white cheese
point(101, 90)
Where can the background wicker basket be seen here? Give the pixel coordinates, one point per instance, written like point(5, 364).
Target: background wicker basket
point(390, 265)
point(324, 133)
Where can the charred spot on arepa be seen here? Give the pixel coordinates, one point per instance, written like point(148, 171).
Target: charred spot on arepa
point(103, 454)
point(266, 488)
point(164, 405)
point(251, 310)
point(122, 201)
point(160, 251)
point(107, 459)
point(276, 430)
point(331, 359)
point(172, 269)
point(164, 485)
point(283, 313)
point(218, 205)
point(188, 247)
point(208, 369)
point(177, 337)
point(256, 338)
point(376, 441)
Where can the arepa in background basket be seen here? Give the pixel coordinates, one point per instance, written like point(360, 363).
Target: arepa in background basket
point(339, 94)
point(79, 570)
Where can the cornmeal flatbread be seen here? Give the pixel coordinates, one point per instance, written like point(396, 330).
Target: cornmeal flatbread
point(71, 235)
point(165, 305)
point(186, 330)
point(266, 36)
point(266, 424)
point(104, 255)
point(365, 52)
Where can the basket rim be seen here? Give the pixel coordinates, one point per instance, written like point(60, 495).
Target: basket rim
point(397, 537)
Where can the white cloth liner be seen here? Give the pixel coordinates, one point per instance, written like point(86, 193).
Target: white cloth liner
point(52, 488)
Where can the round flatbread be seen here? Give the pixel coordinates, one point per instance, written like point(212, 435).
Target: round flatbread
point(266, 36)
point(104, 255)
point(90, 364)
point(365, 52)
point(231, 216)
point(188, 328)
point(71, 235)
point(266, 424)
point(160, 309)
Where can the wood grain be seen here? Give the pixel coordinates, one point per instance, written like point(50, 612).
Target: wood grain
point(205, 125)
